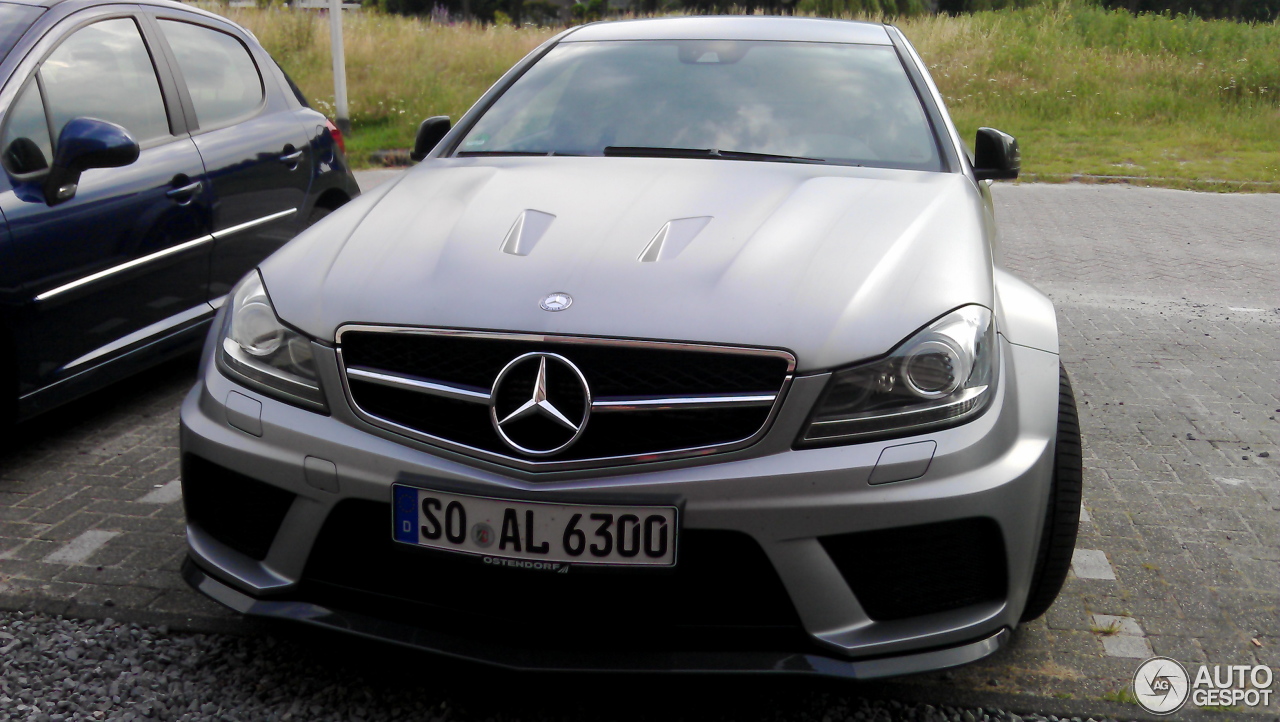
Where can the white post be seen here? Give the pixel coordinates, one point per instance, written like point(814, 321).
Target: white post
point(343, 120)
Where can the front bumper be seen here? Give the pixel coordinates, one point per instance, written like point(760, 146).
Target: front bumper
point(996, 467)
point(526, 660)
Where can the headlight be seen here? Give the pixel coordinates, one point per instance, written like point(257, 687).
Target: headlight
point(259, 351)
point(941, 376)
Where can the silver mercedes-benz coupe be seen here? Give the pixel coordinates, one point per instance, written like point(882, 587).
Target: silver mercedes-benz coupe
point(687, 348)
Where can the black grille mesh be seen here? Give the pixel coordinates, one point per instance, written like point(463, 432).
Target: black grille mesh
point(917, 570)
point(611, 371)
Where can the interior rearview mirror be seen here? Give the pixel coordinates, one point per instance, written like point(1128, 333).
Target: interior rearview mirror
point(996, 156)
point(430, 132)
point(86, 143)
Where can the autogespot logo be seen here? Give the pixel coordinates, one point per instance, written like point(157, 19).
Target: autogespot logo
point(1161, 685)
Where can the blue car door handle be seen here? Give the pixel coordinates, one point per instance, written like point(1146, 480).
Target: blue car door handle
point(291, 158)
point(184, 194)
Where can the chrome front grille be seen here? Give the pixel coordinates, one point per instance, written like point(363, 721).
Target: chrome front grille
point(622, 401)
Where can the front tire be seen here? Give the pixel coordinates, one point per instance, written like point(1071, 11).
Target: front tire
point(1062, 517)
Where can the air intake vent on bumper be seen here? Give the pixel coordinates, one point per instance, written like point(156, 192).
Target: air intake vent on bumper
point(917, 570)
point(237, 510)
point(723, 580)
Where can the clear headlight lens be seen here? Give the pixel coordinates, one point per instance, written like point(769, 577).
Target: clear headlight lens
point(259, 351)
point(941, 376)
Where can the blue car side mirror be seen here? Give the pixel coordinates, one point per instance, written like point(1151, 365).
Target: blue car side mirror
point(86, 143)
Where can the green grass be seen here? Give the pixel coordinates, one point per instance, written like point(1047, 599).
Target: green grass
point(399, 70)
point(1091, 93)
point(1124, 695)
point(1107, 631)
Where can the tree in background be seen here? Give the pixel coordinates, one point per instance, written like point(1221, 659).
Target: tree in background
point(589, 11)
point(842, 8)
point(741, 7)
point(482, 10)
point(1255, 10)
point(541, 12)
point(547, 12)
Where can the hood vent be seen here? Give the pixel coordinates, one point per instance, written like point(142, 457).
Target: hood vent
point(673, 238)
point(528, 229)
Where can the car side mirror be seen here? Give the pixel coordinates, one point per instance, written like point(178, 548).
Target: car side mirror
point(86, 143)
point(996, 156)
point(430, 132)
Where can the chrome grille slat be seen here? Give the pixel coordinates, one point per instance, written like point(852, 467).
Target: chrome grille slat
point(659, 403)
point(638, 403)
point(418, 385)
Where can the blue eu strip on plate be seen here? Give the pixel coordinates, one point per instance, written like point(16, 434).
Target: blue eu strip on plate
point(406, 514)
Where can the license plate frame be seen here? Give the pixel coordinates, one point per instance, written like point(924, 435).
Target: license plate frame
point(547, 545)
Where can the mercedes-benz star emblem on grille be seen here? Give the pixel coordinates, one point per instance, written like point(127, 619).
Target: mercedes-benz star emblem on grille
point(557, 301)
point(540, 403)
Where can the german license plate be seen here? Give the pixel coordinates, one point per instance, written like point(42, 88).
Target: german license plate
point(534, 534)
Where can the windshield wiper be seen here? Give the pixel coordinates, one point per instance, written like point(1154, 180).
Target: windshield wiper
point(649, 152)
point(652, 152)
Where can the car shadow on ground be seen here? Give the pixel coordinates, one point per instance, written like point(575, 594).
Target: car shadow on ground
point(392, 677)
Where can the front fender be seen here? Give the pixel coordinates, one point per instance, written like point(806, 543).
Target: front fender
point(1025, 315)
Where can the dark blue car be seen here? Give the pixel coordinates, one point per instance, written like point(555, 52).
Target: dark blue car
point(152, 155)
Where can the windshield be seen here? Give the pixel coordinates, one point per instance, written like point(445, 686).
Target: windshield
point(835, 103)
point(14, 21)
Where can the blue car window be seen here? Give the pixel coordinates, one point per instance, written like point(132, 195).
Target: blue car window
point(27, 146)
point(221, 76)
point(14, 21)
point(104, 71)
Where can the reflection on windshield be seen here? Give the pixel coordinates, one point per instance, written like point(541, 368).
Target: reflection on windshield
point(844, 104)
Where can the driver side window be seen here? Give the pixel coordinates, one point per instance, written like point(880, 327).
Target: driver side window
point(101, 71)
point(27, 145)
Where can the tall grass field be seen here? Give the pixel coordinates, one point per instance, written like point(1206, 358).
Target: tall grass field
point(1171, 101)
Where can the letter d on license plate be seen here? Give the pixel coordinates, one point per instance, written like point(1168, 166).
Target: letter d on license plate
point(538, 531)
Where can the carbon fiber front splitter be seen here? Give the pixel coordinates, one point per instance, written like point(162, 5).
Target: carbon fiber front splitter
point(521, 659)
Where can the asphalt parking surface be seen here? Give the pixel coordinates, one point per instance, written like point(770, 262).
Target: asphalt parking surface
point(1169, 311)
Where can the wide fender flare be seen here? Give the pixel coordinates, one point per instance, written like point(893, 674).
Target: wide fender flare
point(1025, 315)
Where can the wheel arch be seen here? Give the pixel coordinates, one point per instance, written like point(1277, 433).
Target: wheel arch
point(332, 199)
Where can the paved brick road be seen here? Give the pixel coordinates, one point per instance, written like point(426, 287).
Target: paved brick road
point(1169, 309)
point(1169, 304)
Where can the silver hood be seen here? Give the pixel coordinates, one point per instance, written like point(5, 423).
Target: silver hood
point(835, 264)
